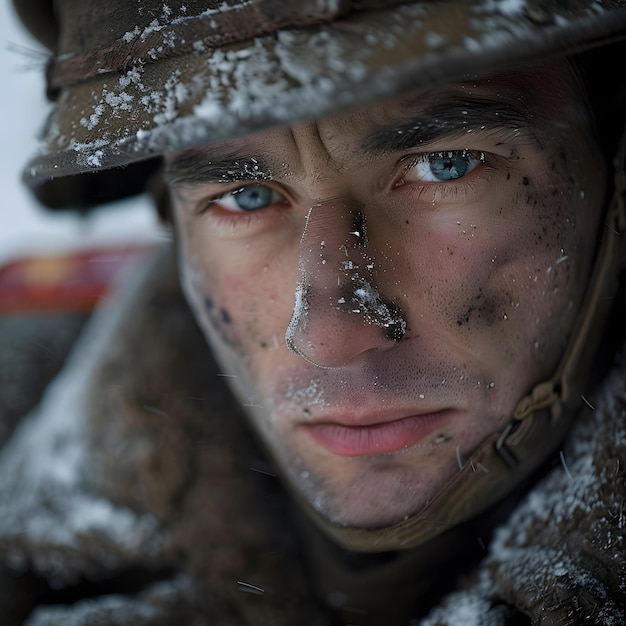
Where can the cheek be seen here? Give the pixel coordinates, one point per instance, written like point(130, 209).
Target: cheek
point(243, 309)
point(506, 268)
point(218, 313)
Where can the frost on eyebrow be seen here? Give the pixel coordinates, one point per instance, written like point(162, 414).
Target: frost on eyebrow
point(195, 166)
point(453, 115)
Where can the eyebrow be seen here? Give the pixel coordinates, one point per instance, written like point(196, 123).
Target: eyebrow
point(195, 166)
point(455, 115)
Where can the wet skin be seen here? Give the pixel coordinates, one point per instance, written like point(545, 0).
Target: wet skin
point(381, 287)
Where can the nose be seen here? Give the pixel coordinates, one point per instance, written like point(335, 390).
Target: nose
point(339, 312)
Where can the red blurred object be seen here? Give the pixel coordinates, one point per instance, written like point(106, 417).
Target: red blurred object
point(70, 282)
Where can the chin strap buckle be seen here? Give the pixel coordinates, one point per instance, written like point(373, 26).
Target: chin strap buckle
point(542, 396)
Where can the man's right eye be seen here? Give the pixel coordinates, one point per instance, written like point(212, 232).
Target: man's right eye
point(248, 198)
point(446, 166)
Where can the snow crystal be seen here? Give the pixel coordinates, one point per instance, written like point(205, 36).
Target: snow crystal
point(132, 76)
point(168, 103)
point(208, 109)
point(121, 100)
point(131, 34)
point(467, 609)
point(509, 8)
point(311, 393)
point(115, 608)
point(332, 6)
point(93, 119)
point(95, 158)
point(301, 69)
point(435, 40)
point(472, 44)
point(299, 315)
point(369, 302)
point(90, 154)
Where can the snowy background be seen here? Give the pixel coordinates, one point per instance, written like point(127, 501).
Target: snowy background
point(26, 228)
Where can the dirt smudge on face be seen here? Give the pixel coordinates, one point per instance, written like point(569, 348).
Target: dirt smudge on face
point(482, 310)
point(220, 319)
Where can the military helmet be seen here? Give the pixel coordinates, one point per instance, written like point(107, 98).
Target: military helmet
point(131, 80)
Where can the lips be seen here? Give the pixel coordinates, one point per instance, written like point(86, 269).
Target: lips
point(375, 438)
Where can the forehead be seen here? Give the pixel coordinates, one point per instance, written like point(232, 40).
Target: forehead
point(522, 99)
point(524, 91)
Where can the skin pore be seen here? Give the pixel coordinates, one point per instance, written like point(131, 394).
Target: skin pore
point(381, 287)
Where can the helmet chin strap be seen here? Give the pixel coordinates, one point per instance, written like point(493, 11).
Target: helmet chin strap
point(539, 422)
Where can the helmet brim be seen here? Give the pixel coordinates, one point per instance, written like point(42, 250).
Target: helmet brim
point(212, 94)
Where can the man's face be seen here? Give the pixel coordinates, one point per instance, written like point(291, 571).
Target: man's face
point(381, 287)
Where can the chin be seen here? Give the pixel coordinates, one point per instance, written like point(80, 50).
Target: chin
point(372, 515)
point(376, 499)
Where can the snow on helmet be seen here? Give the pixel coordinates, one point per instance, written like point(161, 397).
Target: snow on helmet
point(131, 80)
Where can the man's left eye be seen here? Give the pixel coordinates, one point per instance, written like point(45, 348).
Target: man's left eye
point(249, 198)
point(444, 166)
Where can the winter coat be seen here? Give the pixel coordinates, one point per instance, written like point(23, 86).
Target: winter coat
point(133, 495)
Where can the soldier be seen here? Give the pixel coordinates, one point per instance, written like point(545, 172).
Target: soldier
point(398, 227)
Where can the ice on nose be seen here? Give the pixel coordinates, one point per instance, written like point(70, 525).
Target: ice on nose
point(366, 301)
point(338, 269)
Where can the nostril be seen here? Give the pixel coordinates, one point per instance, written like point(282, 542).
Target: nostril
point(322, 327)
point(396, 327)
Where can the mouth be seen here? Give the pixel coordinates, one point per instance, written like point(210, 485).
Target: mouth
point(352, 440)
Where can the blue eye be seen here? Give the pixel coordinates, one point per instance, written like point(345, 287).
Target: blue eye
point(449, 167)
point(445, 166)
point(252, 197)
point(248, 199)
